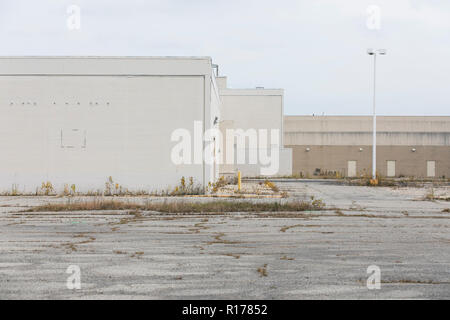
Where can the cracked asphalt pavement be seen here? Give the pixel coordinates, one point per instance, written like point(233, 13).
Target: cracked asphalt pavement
point(324, 255)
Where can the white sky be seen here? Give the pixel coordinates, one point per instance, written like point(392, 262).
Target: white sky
point(315, 49)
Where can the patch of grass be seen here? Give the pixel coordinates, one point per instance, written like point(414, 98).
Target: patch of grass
point(119, 252)
point(91, 239)
point(287, 259)
point(182, 207)
point(365, 180)
point(71, 246)
point(263, 271)
point(409, 281)
point(284, 194)
point(47, 188)
point(137, 254)
point(219, 184)
point(236, 256)
point(186, 188)
point(318, 174)
point(441, 199)
point(85, 206)
point(218, 240)
point(271, 186)
point(284, 229)
point(317, 203)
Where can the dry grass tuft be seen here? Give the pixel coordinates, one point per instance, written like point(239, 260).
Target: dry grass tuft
point(263, 271)
point(137, 254)
point(85, 206)
point(182, 207)
point(272, 186)
point(410, 281)
point(286, 258)
point(218, 240)
point(284, 229)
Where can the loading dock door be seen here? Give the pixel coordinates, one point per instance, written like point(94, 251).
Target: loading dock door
point(351, 172)
point(431, 169)
point(391, 168)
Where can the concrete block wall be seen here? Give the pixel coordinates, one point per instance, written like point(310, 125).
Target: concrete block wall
point(328, 143)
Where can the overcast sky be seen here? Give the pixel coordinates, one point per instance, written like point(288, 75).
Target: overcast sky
point(314, 49)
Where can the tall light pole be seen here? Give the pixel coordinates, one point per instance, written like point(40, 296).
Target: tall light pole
point(374, 53)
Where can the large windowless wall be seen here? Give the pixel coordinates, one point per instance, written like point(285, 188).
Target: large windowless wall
point(255, 109)
point(407, 146)
point(80, 120)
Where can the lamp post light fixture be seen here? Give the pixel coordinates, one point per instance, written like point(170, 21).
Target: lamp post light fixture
point(374, 53)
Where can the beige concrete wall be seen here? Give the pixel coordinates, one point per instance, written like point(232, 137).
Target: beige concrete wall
point(344, 130)
point(364, 123)
point(332, 141)
point(365, 138)
point(335, 159)
point(80, 120)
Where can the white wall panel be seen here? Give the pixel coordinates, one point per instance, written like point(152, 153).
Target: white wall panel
point(126, 122)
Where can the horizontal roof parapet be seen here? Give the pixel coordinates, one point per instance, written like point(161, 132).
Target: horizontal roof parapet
point(134, 66)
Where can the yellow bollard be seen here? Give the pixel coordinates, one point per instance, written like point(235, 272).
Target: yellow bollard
point(239, 181)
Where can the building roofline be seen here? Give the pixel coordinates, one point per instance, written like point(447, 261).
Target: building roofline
point(104, 66)
point(365, 116)
point(111, 57)
point(251, 92)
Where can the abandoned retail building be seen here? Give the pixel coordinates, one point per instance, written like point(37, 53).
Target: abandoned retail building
point(148, 121)
point(145, 121)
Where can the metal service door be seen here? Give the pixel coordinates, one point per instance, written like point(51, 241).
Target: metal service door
point(431, 169)
point(351, 169)
point(391, 168)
